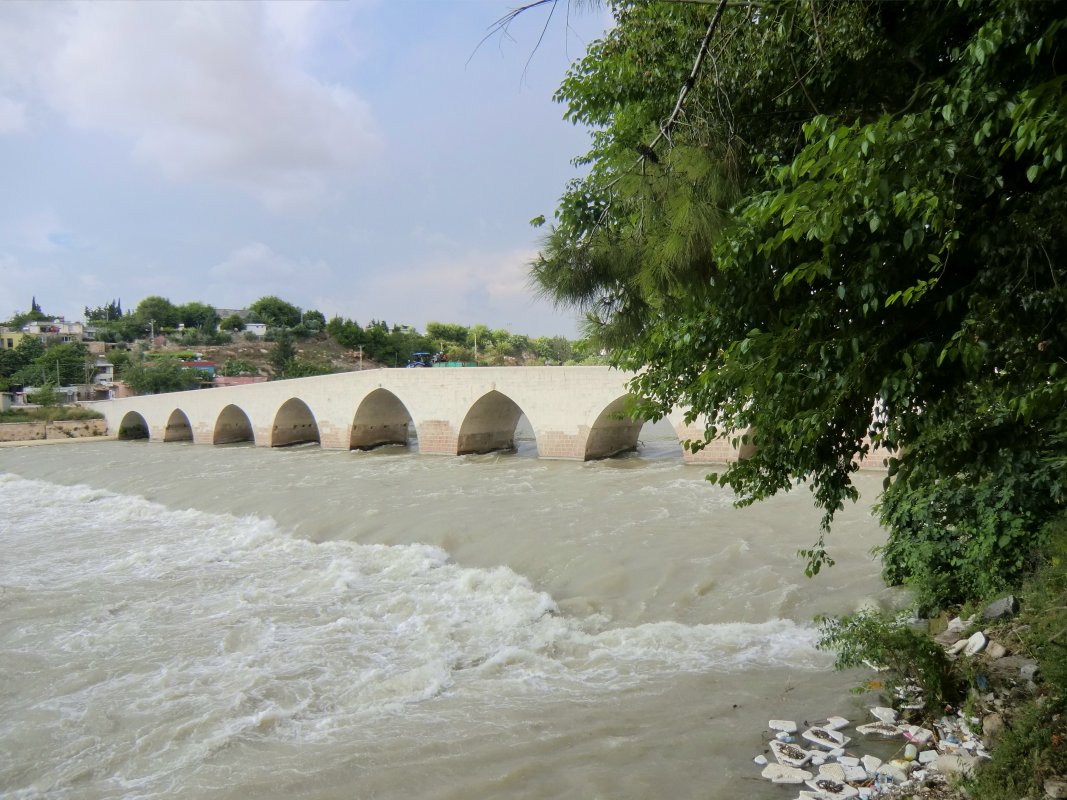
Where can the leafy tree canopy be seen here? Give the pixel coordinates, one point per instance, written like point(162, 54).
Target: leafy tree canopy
point(157, 311)
point(198, 315)
point(838, 225)
point(163, 375)
point(111, 311)
point(232, 323)
point(275, 312)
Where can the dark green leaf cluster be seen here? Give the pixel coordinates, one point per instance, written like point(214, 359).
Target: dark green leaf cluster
point(849, 244)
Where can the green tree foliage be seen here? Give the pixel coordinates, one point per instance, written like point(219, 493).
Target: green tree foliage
point(157, 311)
point(198, 315)
point(163, 375)
point(281, 357)
point(275, 312)
point(105, 313)
point(314, 320)
point(46, 395)
point(61, 364)
point(839, 225)
point(233, 367)
point(447, 334)
point(232, 323)
point(345, 332)
point(35, 314)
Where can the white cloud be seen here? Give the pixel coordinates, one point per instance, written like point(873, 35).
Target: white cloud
point(255, 270)
point(212, 91)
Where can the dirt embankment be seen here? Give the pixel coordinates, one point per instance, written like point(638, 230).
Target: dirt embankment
point(322, 350)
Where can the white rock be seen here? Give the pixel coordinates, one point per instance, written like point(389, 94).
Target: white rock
point(957, 648)
point(976, 644)
point(883, 714)
point(928, 756)
point(780, 773)
point(761, 760)
point(995, 650)
point(956, 624)
point(835, 723)
point(953, 764)
point(785, 725)
point(871, 763)
point(911, 752)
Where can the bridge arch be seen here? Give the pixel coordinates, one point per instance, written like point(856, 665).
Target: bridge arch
point(294, 424)
point(614, 431)
point(381, 419)
point(232, 425)
point(133, 426)
point(178, 428)
point(489, 424)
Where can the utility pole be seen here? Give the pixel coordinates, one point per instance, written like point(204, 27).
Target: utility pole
point(361, 358)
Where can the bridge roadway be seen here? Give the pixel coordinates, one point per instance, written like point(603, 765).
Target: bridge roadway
point(575, 412)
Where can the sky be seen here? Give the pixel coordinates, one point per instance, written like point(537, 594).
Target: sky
point(374, 159)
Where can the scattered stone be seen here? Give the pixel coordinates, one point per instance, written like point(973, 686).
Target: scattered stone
point(976, 644)
point(953, 764)
point(886, 715)
point(992, 726)
point(948, 637)
point(1055, 789)
point(780, 773)
point(1030, 671)
point(957, 648)
point(911, 752)
point(995, 650)
point(957, 624)
point(784, 725)
point(1001, 609)
point(928, 756)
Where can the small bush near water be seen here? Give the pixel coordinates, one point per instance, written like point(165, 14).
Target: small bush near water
point(910, 657)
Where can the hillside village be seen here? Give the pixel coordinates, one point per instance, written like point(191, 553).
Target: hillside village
point(159, 346)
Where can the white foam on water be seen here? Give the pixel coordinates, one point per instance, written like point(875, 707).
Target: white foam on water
point(160, 637)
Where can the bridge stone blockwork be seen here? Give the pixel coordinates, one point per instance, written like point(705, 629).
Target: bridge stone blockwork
point(575, 412)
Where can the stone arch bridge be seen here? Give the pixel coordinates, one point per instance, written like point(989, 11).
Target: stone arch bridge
point(575, 412)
